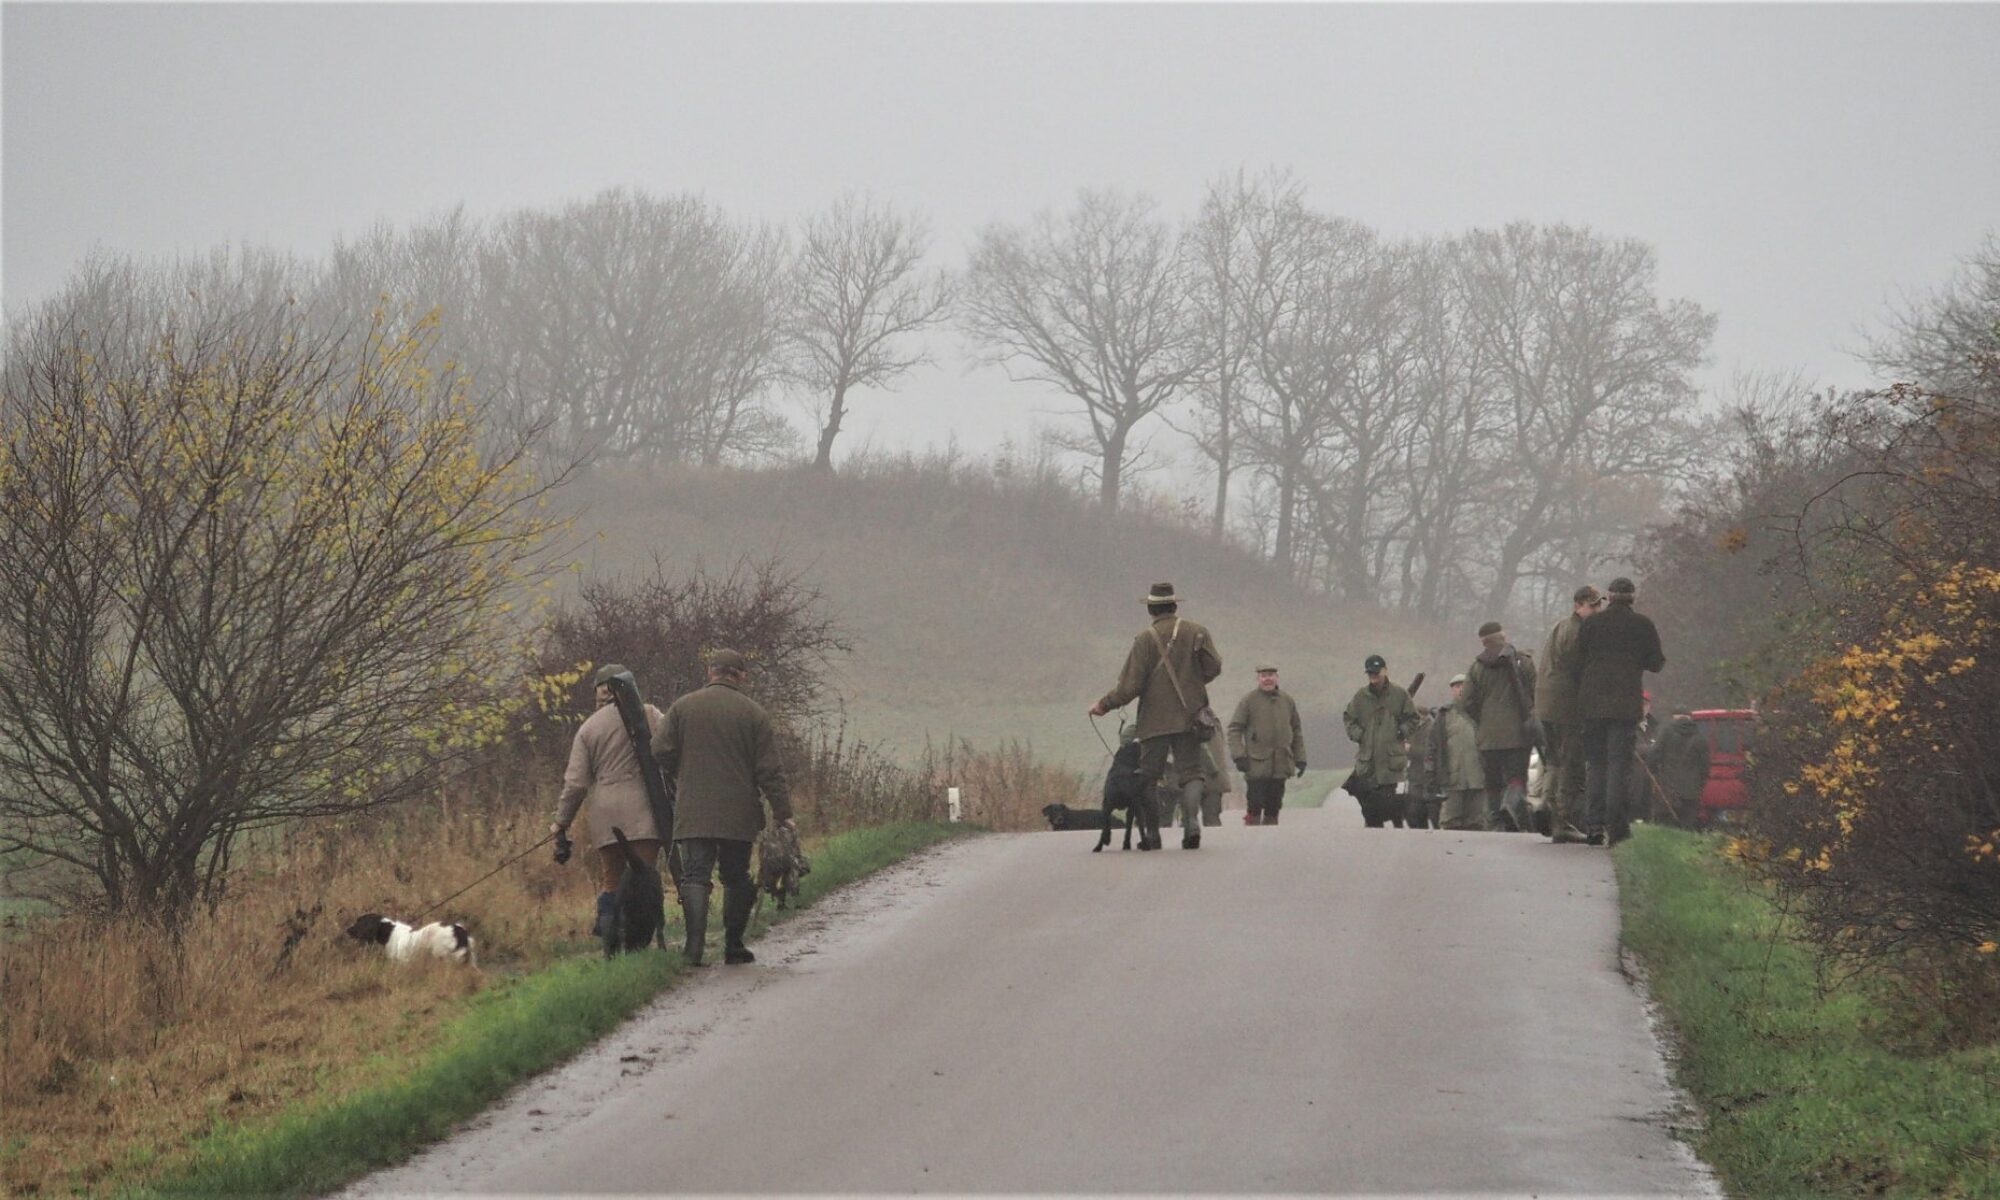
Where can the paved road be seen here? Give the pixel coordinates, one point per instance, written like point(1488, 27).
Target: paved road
point(1312, 1008)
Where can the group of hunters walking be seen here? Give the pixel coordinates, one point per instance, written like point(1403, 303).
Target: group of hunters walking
point(1462, 765)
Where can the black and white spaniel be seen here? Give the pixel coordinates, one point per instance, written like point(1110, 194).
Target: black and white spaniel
point(403, 943)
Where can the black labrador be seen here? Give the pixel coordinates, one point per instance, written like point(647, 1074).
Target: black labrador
point(641, 913)
point(1124, 789)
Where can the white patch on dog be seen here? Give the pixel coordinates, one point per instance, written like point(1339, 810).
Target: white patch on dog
point(404, 944)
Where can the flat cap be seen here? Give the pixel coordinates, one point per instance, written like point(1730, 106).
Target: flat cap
point(609, 671)
point(1584, 595)
point(728, 660)
point(1375, 663)
point(1489, 629)
point(1457, 679)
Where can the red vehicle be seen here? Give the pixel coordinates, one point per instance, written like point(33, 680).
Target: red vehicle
point(1729, 732)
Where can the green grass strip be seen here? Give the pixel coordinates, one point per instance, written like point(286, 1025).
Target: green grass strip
point(509, 1032)
point(1805, 1090)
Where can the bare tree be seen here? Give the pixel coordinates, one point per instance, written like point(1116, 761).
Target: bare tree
point(257, 573)
point(1944, 340)
point(1593, 370)
point(1220, 253)
point(857, 297)
point(636, 326)
point(1094, 302)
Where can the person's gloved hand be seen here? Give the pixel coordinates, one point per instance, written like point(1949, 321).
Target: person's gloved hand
point(1242, 765)
point(1302, 767)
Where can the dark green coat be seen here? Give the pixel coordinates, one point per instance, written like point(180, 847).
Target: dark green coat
point(1680, 760)
point(1493, 702)
point(1378, 723)
point(1195, 661)
point(718, 748)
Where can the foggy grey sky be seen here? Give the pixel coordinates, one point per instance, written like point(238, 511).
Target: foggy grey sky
point(1796, 167)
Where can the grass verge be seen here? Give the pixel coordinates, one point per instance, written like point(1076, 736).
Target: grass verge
point(508, 1032)
point(1806, 1089)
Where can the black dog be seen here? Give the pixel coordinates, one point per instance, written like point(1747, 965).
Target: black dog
point(1062, 816)
point(641, 913)
point(1123, 789)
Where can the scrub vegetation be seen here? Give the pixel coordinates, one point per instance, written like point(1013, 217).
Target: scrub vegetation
point(1808, 1085)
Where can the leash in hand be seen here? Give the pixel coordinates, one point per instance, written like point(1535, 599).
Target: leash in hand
point(562, 848)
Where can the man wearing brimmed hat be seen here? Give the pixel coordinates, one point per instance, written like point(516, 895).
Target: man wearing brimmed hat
point(604, 767)
point(1615, 649)
point(1455, 763)
point(1379, 720)
point(1168, 671)
point(1562, 726)
point(719, 748)
point(1500, 699)
point(1267, 745)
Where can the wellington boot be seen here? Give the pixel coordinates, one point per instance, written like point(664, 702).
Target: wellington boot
point(736, 905)
point(1250, 816)
point(1271, 816)
point(694, 909)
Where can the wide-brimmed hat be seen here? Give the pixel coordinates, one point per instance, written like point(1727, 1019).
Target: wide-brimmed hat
point(1162, 593)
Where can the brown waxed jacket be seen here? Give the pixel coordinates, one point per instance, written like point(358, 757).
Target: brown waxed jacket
point(1195, 661)
point(1493, 701)
point(718, 747)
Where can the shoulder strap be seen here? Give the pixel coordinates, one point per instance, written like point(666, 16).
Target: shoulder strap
point(1514, 678)
point(1167, 662)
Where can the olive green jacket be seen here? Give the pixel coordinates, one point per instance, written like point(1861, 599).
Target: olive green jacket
point(1455, 764)
point(1379, 724)
point(1265, 730)
point(718, 748)
point(1555, 692)
point(1195, 661)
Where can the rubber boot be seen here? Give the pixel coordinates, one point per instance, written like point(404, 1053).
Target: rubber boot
point(1271, 815)
point(736, 905)
point(1250, 817)
point(694, 910)
point(1191, 815)
point(607, 913)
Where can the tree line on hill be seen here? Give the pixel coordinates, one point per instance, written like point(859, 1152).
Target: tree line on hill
point(1436, 425)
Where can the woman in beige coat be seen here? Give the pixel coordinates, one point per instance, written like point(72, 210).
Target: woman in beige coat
point(604, 768)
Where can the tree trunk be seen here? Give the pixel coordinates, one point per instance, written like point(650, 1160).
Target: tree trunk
point(1112, 476)
point(824, 460)
point(1287, 501)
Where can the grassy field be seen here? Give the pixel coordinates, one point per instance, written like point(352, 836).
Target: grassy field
point(501, 1035)
point(998, 610)
point(1806, 1090)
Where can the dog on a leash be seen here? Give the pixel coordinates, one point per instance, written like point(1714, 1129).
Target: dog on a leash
point(639, 913)
point(402, 943)
point(781, 863)
point(1124, 789)
point(1062, 816)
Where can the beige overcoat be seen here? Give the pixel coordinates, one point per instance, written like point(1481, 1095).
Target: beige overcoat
point(604, 767)
point(718, 747)
point(1195, 661)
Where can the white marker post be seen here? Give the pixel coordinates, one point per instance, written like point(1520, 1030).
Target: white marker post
point(951, 802)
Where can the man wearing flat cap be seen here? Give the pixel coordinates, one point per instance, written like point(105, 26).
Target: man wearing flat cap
point(1168, 671)
point(1267, 745)
point(1562, 726)
point(1615, 649)
point(1380, 719)
point(1500, 699)
point(604, 767)
point(718, 747)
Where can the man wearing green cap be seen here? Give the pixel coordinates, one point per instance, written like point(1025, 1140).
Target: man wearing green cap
point(1379, 720)
point(718, 747)
point(604, 767)
point(1168, 671)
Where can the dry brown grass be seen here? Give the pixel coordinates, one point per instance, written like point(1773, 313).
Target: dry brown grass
point(119, 1046)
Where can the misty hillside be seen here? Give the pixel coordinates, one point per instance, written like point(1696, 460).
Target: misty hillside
point(992, 607)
